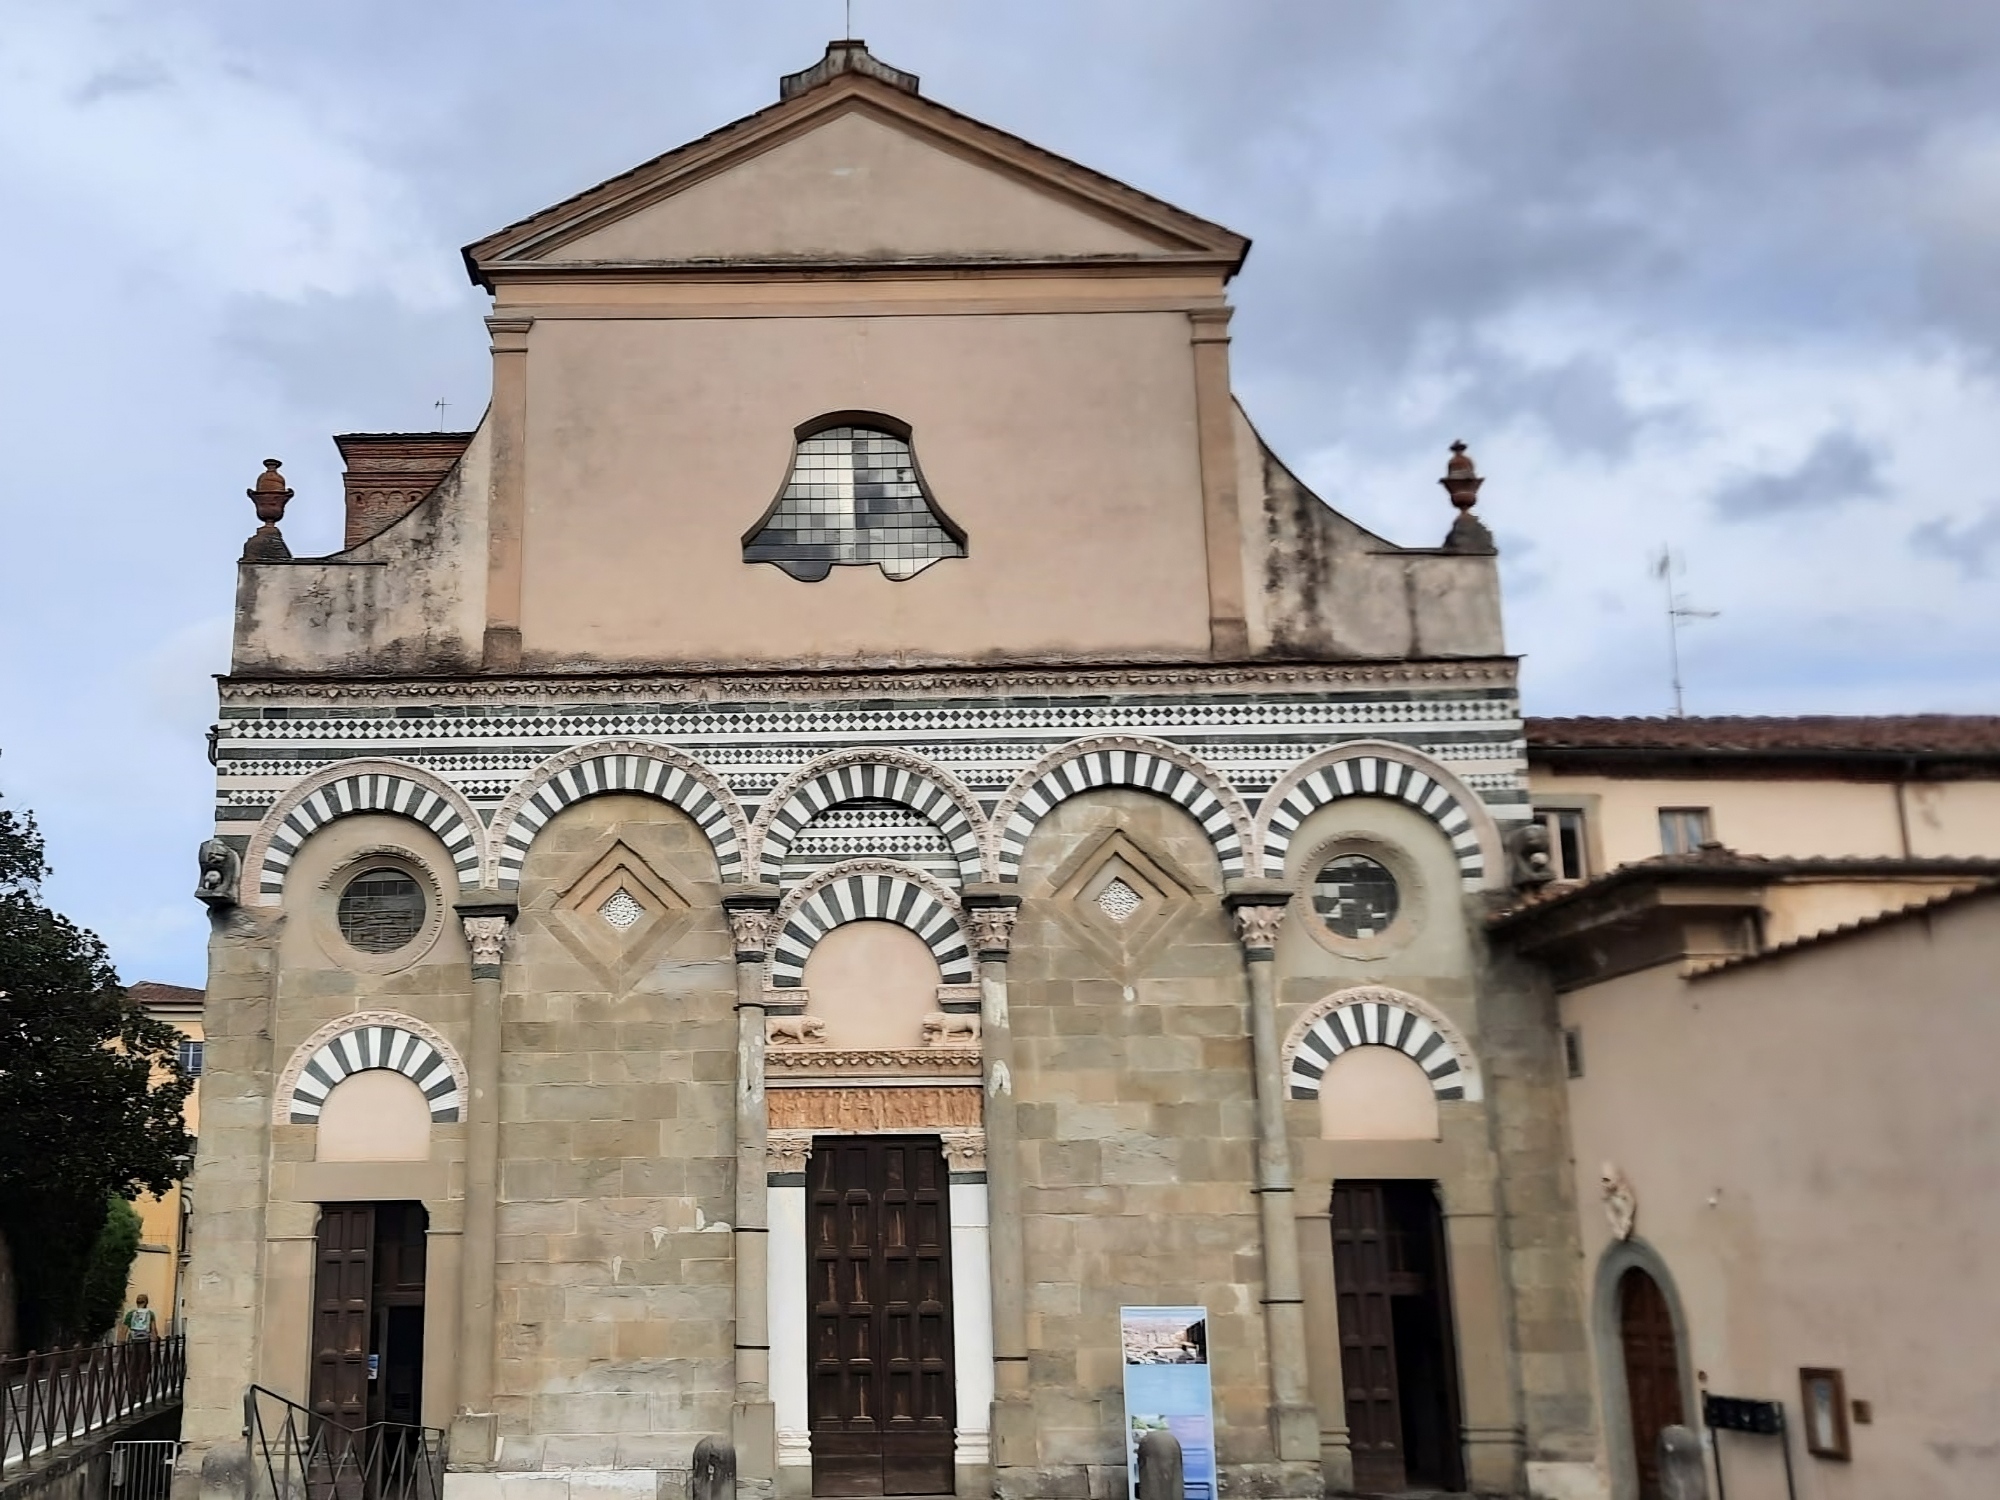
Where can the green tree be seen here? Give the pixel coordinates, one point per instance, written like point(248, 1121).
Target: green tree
point(110, 1269)
point(90, 1090)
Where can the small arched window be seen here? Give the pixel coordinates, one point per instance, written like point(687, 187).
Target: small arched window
point(854, 496)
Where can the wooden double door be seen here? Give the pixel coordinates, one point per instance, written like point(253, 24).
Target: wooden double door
point(1399, 1371)
point(368, 1314)
point(883, 1404)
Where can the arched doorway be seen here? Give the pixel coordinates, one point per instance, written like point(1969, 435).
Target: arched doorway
point(1652, 1372)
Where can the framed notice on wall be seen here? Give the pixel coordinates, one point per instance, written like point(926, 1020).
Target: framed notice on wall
point(1167, 1387)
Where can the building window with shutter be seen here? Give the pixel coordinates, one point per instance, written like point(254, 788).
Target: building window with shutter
point(1569, 844)
point(1685, 829)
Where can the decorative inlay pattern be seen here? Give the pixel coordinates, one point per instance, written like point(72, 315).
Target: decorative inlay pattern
point(360, 1048)
point(994, 743)
point(1363, 775)
point(819, 1062)
point(1119, 901)
point(304, 1054)
point(620, 910)
point(401, 791)
point(869, 889)
point(1148, 765)
point(648, 770)
point(892, 1108)
point(874, 775)
point(1372, 1016)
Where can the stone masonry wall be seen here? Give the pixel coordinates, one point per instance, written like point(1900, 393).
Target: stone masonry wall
point(1137, 1126)
point(615, 1303)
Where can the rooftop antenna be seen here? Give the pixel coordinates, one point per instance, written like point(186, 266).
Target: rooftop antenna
point(1665, 566)
point(440, 404)
point(848, 35)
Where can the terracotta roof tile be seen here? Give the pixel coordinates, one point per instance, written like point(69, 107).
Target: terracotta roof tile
point(151, 992)
point(1976, 735)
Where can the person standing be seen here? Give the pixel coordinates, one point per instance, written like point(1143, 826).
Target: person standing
point(139, 1324)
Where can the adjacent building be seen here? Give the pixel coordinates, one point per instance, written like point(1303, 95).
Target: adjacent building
point(1776, 1001)
point(159, 1269)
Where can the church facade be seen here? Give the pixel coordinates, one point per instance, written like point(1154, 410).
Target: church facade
point(859, 832)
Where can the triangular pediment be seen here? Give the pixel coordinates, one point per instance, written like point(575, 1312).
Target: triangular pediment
point(853, 170)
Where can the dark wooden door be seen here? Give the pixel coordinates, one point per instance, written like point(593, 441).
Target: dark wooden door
point(343, 1295)
point(883, 1405)
point(1652, 1372)
point(1363, 1288)
point(343, 1314)
point(396, 1393)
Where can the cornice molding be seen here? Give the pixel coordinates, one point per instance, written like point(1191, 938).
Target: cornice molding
point(717, 686)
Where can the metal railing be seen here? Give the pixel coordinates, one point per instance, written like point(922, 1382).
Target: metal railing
point(306, 1456)
point(50, 1399)
point(143, 1469)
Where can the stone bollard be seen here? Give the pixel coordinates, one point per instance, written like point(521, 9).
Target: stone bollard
point(1683, 1470)
point(713, 1474)
point(1160, 1466)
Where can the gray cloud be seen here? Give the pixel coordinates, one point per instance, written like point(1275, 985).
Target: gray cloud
point(1540, 227)
point(1971, 546)
point(141, 75)
point(1838, 469)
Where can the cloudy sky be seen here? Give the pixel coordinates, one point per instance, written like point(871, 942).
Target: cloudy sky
point(1687, 272)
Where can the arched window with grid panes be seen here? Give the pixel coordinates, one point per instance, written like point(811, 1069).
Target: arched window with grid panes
point(854, 496)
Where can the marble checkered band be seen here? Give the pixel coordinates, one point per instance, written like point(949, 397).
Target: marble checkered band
point(368, 1047)
point(1376, 776)
point(1379, 1023)
point(637, 772)
point(1142, 769)
point(370, 792)
point(887, 898)
point(864, 781)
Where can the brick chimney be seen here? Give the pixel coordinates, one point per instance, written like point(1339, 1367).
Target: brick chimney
point(389, 472)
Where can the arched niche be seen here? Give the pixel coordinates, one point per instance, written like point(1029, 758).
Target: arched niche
point(872, 982)
point(374, 1115)
point(1377, 1094)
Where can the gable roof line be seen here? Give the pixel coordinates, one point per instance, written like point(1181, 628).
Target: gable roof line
point(1856, 928)
point(617, 197)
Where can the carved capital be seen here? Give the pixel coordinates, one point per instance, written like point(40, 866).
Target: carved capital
point(750, 930)
point(964, 1150)
point(487, 937)
point(787, 1150)
point(992, 923)
point(1257, 926)
point(1259, 909)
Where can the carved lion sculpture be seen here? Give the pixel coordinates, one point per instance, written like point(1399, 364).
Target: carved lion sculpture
point(1528, 861)
point(945, 1029)
point(799, 1031)
point(221, 868)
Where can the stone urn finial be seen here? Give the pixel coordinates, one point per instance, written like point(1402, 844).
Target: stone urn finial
point(1462, 481)
point(269, 495)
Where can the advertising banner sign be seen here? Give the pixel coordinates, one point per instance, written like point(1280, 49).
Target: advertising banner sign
point(1167, 1386)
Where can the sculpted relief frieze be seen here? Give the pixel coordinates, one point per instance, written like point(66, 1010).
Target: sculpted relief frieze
point(876, 1109)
